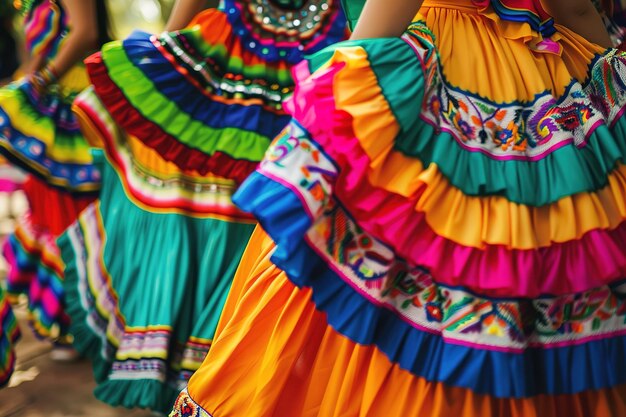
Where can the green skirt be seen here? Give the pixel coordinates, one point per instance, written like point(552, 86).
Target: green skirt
point(144, 290)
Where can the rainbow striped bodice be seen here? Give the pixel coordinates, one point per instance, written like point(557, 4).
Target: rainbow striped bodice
point(46, 25)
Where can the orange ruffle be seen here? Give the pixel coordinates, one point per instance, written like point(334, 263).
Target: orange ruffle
point(275, 355)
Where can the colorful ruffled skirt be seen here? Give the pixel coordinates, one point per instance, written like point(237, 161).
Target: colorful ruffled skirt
point(183, 119)
point(209, 98)
point(148, 267)
point(9, 334)
point(40, 134)
point(144, 290)
point(445, 221)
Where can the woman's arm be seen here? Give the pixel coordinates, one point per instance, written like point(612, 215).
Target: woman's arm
point(582, 17)
point(385, 18)
point(183, 12)
point(81, 40)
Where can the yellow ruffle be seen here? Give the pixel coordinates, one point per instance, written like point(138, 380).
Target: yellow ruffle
point(75, 80)
point(480, 221)
point(150, 161)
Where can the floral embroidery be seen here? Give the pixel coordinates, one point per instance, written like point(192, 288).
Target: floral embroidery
point(372, 269)
point(349, 245)
point(315, 173)
point(454, 312)
point(521, 129)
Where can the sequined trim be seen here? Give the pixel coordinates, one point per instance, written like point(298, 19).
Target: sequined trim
point(209, 75)
point(289, 21)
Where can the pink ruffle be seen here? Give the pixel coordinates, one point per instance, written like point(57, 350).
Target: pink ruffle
point(595, 260)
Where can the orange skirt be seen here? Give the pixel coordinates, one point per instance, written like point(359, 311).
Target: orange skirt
point(275, 355)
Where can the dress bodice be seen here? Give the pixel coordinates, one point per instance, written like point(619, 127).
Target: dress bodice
point(45, 26)
point(524, 11)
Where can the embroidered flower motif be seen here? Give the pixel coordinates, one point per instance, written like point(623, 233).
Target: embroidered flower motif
point(574, 116)
point(503, 136)
point(433, 312)
point(509, 137)
point(435, 105)
point(467, 131)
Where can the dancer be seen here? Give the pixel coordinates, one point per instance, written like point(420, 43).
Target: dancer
point(448, 207)
point(39, 133)
point(183, 118)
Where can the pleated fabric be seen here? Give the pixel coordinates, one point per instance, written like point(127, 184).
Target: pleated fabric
point(182, 118)
point(447, 212)
point(147, 267)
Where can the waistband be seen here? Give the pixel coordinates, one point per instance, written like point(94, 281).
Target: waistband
point(529, 12)
point(463, 5)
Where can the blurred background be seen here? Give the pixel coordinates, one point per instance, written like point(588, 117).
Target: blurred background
point(148, 15)
point(39, 386)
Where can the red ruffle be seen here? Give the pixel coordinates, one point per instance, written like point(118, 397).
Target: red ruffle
point(50, 208)
point(131, 120)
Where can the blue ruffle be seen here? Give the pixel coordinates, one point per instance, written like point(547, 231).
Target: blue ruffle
point(562, 370)
point(176, 87)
